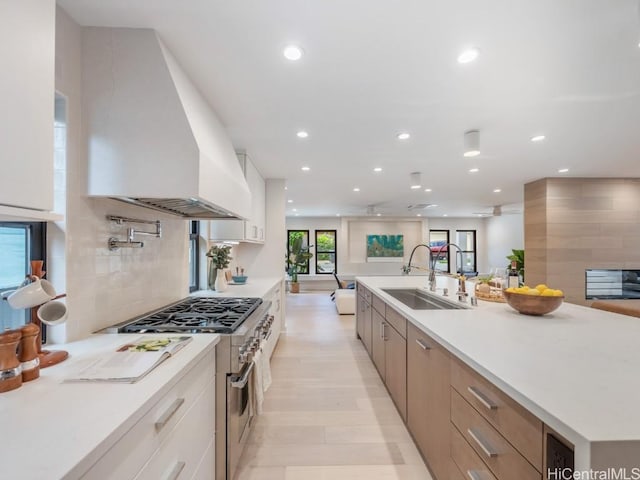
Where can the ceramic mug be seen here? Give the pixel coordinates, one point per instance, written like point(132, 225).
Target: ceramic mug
point(52, 313)
point(35, 293)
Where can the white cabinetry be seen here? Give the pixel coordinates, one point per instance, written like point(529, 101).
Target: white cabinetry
point(250, 230)
point(173, 439)
point(27, 41)
point(276, 309)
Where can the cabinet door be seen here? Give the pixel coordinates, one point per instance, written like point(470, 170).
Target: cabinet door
point(256, 223)
point(27, 35)
point(428, 399)
point(377, 341)
point(368, 328)
point(360, 317)
point(396, 368)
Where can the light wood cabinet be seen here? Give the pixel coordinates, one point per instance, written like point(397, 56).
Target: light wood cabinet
point(498, 454)
point(363, 320)
point(27, 36)
point(428, 399)
point(395, 367)
point(378, 327)
point(515, 423)
point(251, 230)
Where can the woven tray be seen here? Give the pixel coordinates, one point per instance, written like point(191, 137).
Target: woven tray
point(490, 298)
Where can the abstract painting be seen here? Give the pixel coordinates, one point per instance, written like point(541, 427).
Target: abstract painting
point(385, 248)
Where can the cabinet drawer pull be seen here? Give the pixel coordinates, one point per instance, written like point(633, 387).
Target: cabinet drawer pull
point(166, 416)
point(384, 334)
point(473, 475)
point(486, 449)
point(177, 470)
point(423, 345)
point(481, 397)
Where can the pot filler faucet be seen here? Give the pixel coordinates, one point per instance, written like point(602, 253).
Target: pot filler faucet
point(406, 269)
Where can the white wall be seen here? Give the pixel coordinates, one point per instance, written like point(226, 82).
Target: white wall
point(105, 287)
point(495, 237)
point(352, 240)
point(504, 233)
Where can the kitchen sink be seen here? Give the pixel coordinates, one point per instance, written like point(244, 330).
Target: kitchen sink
point(420, 300)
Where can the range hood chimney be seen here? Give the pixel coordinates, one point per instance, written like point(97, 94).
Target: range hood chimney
point(153, 140)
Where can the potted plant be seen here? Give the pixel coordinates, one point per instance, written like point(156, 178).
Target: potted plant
point(298, 257)
point(219, 258)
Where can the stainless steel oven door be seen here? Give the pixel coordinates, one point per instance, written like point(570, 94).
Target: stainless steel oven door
point(239, 413)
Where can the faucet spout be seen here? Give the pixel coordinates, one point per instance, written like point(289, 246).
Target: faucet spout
point(406, 269)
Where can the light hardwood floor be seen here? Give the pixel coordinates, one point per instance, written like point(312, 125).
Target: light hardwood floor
point(327, 415)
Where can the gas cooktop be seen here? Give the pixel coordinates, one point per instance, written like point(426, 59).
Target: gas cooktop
point(197, 315)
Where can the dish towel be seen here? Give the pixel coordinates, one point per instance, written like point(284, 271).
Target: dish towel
point(258, 386)
point(261, 379)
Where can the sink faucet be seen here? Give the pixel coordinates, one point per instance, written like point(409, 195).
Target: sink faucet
point(406, 269)
point(462, 294)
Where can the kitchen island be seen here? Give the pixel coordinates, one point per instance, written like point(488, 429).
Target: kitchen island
point(574, 369)
point(54, 430)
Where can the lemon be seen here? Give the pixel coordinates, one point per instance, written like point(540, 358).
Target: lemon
point(558, 293)
point(541, 287)
point(533, 291)
point(548, 292)
point(521, 290)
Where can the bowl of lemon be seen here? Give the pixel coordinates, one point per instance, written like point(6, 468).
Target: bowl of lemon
point(539, 300)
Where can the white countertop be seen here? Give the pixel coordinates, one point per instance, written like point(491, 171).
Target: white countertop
point(576, 368)
point(50, 429)
point(255, 287)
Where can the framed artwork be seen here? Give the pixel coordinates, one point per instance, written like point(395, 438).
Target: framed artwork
point(385, 248)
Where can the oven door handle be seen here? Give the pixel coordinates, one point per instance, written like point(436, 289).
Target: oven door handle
point(241, 382)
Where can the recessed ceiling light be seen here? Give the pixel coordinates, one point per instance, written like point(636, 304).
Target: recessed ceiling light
point(377, 169)
point(337, 214)
point(302, 134)
point(356, 189)
point(378, 214)
point(563, 170)
point(295, 210)
point(285, 188)
point(538, 138)
point(497, 190)
point(471, 143)
point(289, 201)
point(297, 214)
point(427, 189)
point(468, 55)
point(293, 53)
point(418, 215)
point(403, 136)
point(474, 170)
point(305, 169)
point(445, 214)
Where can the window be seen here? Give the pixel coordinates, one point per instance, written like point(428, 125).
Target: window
point(291, 236)
point(437, 239)
point(19, 244)
point(326, 251)
point(467, 241)
point(194, 263)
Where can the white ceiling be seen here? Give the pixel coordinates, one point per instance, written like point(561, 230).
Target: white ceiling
point(568, 69)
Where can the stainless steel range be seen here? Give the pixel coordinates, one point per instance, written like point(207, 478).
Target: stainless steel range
point(243, 323)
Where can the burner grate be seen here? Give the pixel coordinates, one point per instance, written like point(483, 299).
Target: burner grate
point(197, 315)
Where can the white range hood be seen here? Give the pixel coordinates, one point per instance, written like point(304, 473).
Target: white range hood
point(153, 139)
